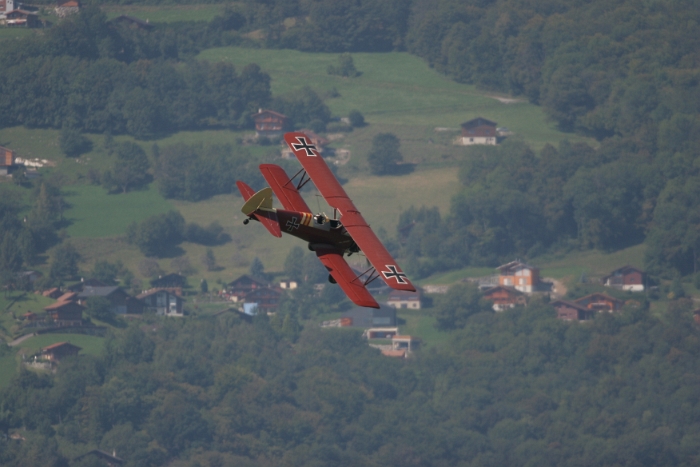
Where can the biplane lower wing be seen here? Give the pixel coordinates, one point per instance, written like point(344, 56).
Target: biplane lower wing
point(284, 188)
point(346, 278)
point(266, 218)
point(352, 220)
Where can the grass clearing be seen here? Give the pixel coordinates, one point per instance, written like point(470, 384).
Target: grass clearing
point(166, 13)
point(96, 213)
point(395, 88)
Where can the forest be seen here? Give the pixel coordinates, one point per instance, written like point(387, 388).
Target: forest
point(513, 388)
point(518, 388)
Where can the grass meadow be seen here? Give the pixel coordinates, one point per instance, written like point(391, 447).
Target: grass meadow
point(90, 345)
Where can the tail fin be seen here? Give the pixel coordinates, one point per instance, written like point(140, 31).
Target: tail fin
point(259, 206)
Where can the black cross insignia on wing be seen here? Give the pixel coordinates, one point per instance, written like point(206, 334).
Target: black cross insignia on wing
point(292, 224)
point(394, 272)
point(305, 146)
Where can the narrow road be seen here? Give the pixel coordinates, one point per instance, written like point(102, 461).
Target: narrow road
point(19, 340)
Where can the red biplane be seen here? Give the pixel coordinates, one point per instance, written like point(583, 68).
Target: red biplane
point(329, 238)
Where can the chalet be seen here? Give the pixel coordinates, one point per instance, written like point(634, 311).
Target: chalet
point(626, 278)
point(265, 299)
point(6, 6)
point(245, 284)
point(523, 277)
point(122, 302)
point(360, 317)
point(478, 131)
point(79, 286)
point(394, 353)
point(404, 299)
point(7, 156)
point(504, 297)
point(66, 313)
point(60, 350)
point(380, 333)
point(66, 8)
point(269, 124)
point(21, 19)
point(132, 22)
point(170, 281)
point(407, 343)
point(53, 292)
point(570, 311)
point(162, 302)
point(600, 302)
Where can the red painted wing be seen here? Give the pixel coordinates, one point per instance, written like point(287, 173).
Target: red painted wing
point(352, 220)
point(284, 188)
point(346, 278)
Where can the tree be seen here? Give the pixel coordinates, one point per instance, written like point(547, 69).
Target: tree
point(203, 286)
point(209, 260)
point(130, 170)
point(384, 154)
point(72, 142)
point(257, 269)
point(158, 234)
point(99, 308)
point(357, 120)
point(345, 67)
point(460, 302)
point(64, 265)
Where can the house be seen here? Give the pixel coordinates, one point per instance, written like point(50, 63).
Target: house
point(170, 281)
point(122, 302)
point(68, 297)
point(361, 317)
point(523, 277)
point(380, 333)
point(269, 124)
point(505, 297)
point(60, 350)
point(21, 19)
point(245, 284)
point(6, 6)
point(132, 22)
point(79, 286)
point(265, 299)
point(626, 278)
point(66, 313)
point(7, 156)
point(54, 293)
point(478, 131)
point(600, 302)
point(162, 302)
point(570, 311)
point(394, 353)
point(404, 299)
point(66, 7)
point(407, 343)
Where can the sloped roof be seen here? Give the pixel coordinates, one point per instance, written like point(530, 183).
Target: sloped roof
point(59, 345)
point(106, 291)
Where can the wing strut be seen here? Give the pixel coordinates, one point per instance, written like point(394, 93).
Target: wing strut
point(303, 181)
point(373, 275)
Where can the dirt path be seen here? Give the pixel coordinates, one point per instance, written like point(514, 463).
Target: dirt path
point(19, 340)
point(558, 288)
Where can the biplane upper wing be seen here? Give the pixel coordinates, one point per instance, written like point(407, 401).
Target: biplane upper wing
point(284, 188)
point(346, 278)
point(352, 220)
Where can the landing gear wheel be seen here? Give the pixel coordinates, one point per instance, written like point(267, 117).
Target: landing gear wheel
point(245, 222)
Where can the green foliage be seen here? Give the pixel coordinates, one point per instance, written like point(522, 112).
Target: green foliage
point(194, 173)
point(130, 169)
point(72, 142)
point(461, 301)
point(302, 108)
point(345, 67)
point(357, 120)
point(384, 154)
point(99, 308)
point(158, 235)
point(64, 262)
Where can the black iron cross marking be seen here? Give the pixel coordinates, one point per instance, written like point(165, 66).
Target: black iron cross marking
point(393, 272)
point(292, 224)
point(305, 146)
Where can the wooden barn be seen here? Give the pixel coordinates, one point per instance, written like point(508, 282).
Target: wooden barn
point(478, 131)
point(269, 124)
